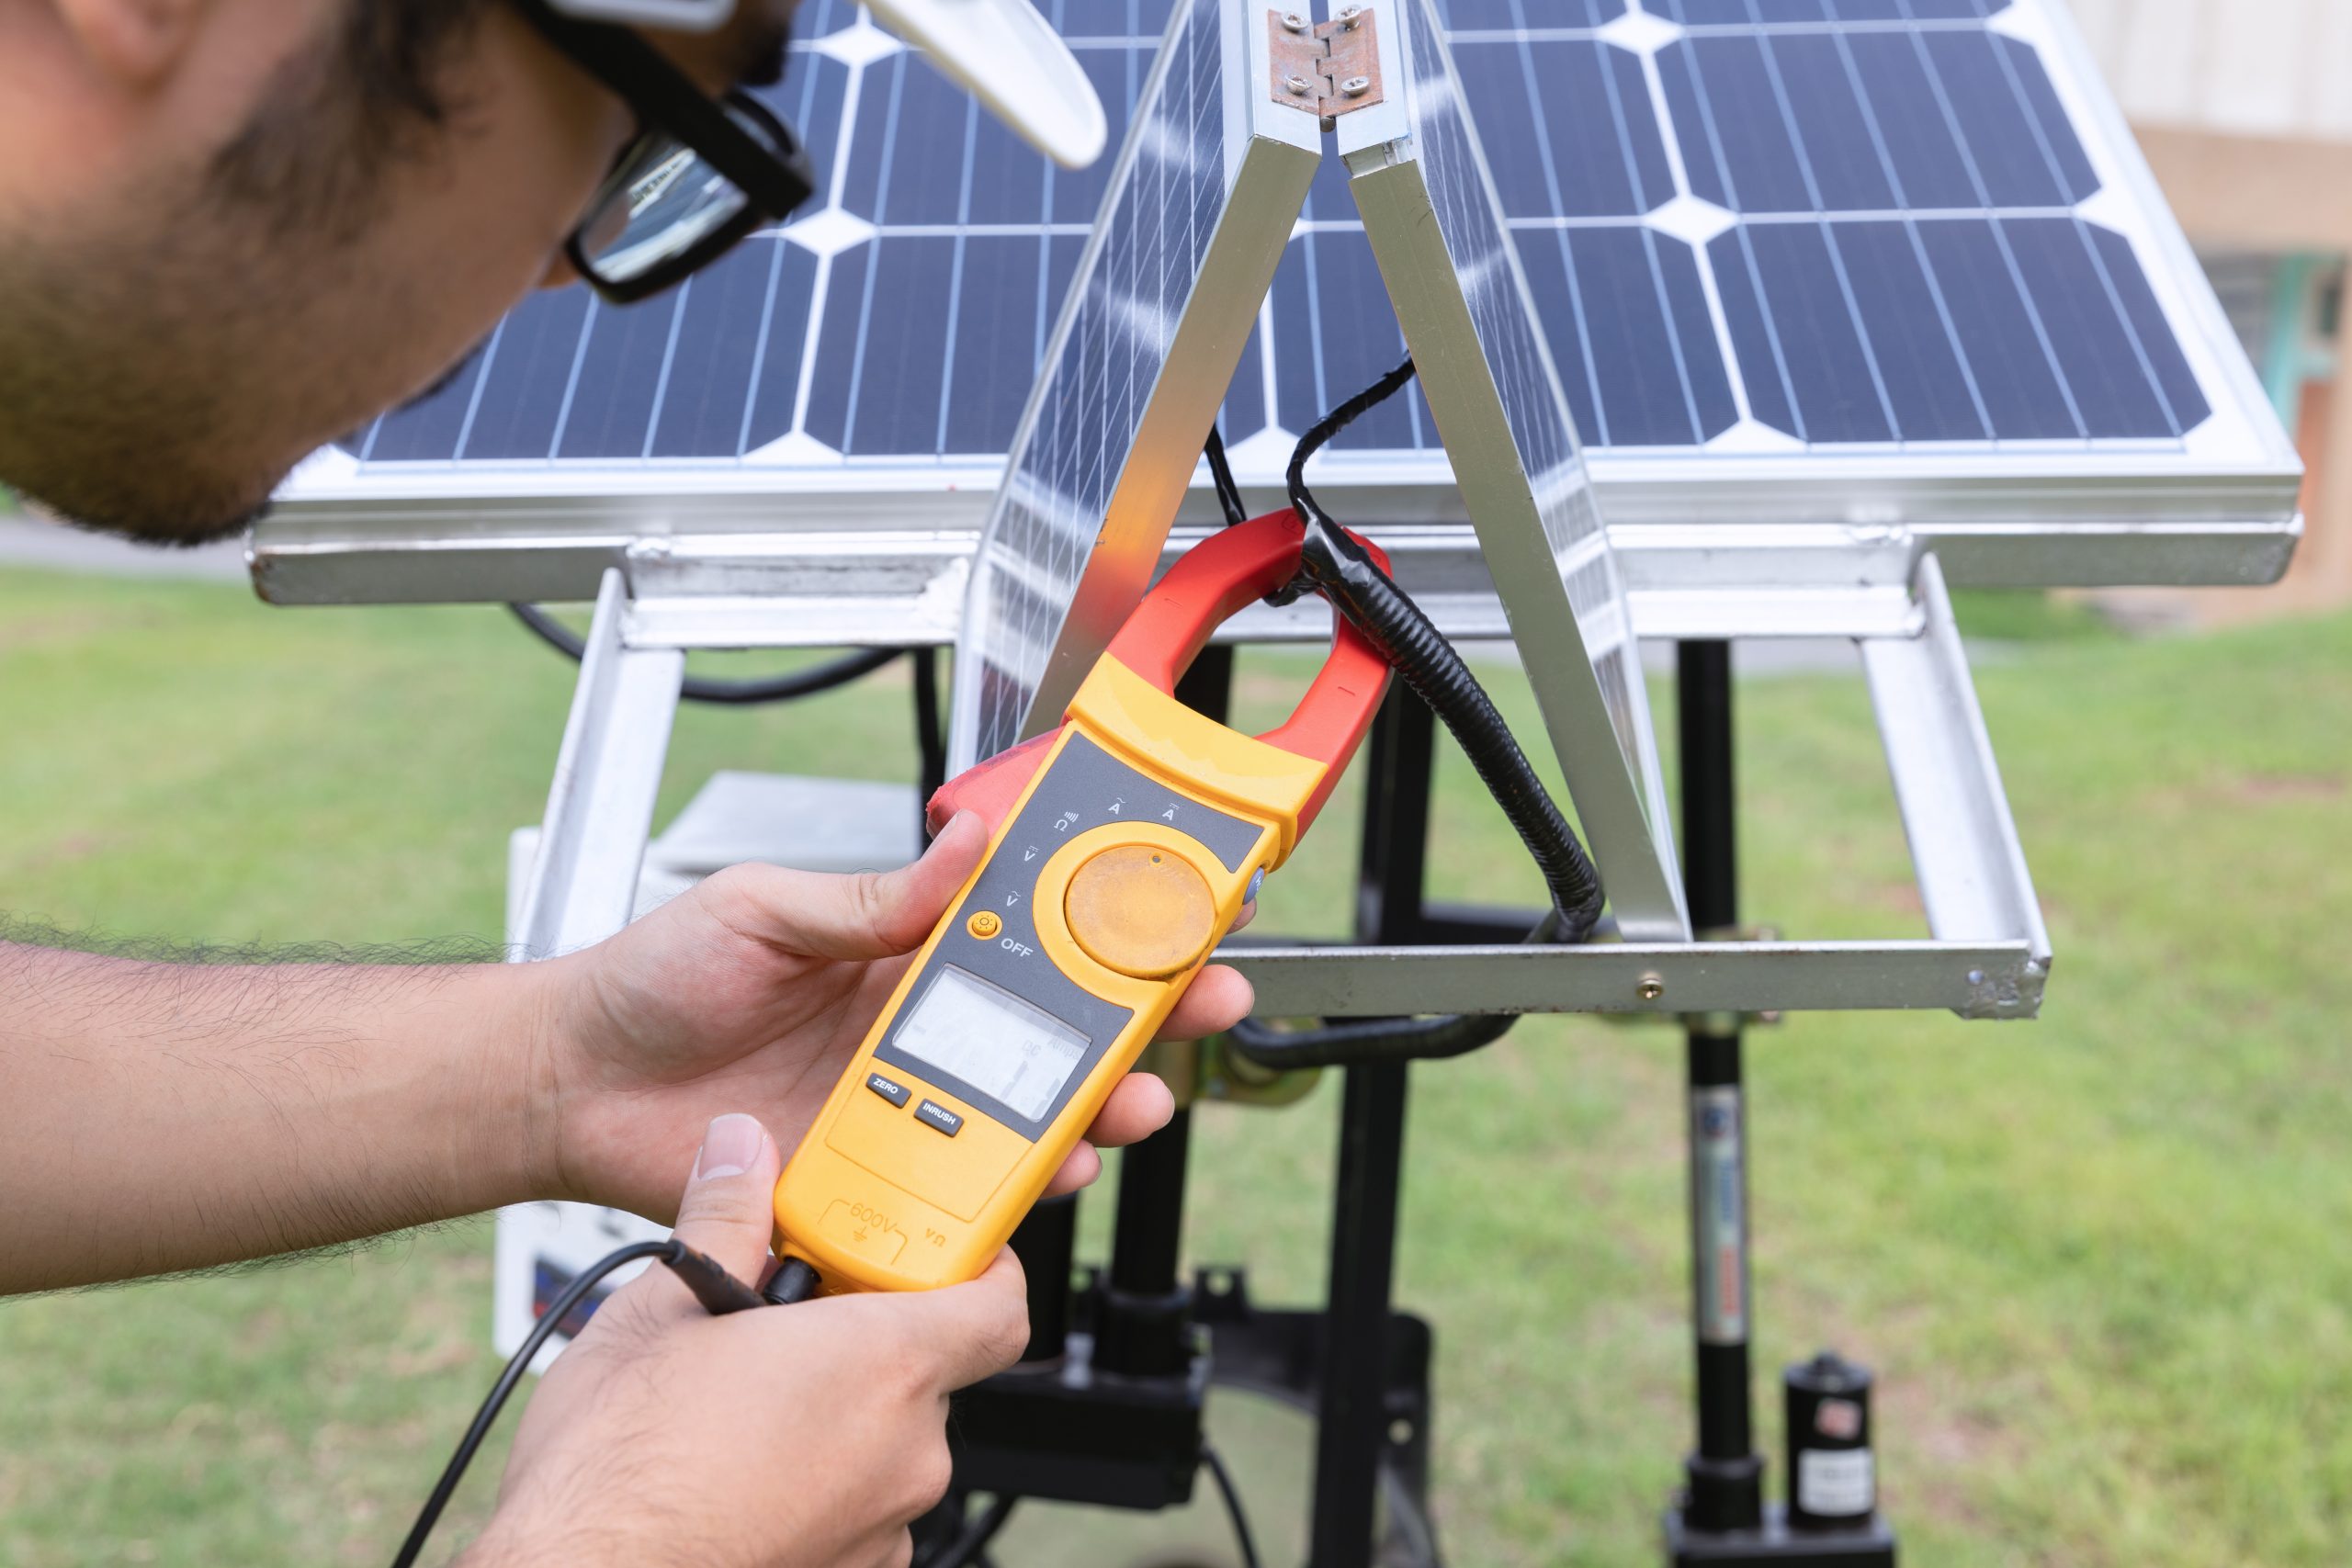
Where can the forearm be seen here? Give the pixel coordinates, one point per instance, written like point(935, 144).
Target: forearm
point(160, 1116)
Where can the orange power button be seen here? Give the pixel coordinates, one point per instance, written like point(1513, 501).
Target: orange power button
point(1141, 911)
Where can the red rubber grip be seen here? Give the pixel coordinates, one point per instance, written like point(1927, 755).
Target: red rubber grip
point(1217, 578)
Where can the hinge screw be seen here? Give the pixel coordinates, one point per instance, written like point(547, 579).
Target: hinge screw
point(1293, 21)
point(1650, 988)
point(1296, 84)
point(1348, 17)
point(1356, 86)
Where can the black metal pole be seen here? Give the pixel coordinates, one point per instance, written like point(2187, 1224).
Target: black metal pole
point(1148, 1237)
point(1352, 1420)
point(1725, 1475)
point(931, 736)
point(1047, 1243)
point(1146, 1306)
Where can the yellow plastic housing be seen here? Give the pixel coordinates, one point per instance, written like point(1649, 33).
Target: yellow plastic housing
point(876, 1199)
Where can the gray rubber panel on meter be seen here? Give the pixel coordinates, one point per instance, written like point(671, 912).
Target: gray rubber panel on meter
point(1086, 788)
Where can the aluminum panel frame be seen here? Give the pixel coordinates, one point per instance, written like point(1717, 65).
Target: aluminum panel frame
point(1486, 371)
point(1989, 955)
point(582, 884)
point(528, 551)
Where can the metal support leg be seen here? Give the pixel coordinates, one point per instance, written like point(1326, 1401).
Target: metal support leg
point(1352, 1422)
point(600, 807)
point(1725, 1475)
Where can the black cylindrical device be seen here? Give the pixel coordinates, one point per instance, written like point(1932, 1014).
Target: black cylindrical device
point(1046, 1244)
point(1724, 1476)
point(1832, 1477)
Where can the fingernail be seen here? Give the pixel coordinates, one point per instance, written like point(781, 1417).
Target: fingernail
point(729, 1146)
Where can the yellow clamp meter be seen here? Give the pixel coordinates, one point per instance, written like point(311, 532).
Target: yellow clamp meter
point(1134, 834)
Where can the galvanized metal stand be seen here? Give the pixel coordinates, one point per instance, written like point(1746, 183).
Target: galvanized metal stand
point(1721, 1516)
point(1726, 1477)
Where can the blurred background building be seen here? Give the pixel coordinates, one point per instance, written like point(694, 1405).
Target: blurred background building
point(2244, 110)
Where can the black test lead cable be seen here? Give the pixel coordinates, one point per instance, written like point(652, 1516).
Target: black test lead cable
point(787, 687)
point(718, 1291)
point(1344, 572)
point(1228, 494)
point(971, 1545)
point(1242, 1537)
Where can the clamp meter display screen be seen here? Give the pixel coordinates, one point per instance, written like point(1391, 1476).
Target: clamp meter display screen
point(1008, 1049)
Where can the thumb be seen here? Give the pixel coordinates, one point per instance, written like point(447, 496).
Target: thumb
point(727, 1211)
point(868, 915)
point(964, 1333)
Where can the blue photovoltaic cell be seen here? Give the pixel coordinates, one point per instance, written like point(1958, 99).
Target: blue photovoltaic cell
point(737, 354)
point(1897, 257)
point(1317, 365)
point(2175, 380)
point(1509, 16)
point(1929, 395)
point(1536, 99)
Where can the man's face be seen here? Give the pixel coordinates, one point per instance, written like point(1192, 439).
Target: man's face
point(221, 247)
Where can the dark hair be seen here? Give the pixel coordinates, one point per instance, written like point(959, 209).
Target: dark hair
point(373, 90)
point(394, 51)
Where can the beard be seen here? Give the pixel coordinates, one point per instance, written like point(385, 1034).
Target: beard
point(124, 407)
point(172, 531)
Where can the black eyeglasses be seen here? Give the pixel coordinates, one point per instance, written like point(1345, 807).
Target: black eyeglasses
point(699, 176)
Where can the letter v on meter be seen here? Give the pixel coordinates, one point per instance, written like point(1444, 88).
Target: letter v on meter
point(1124, 854)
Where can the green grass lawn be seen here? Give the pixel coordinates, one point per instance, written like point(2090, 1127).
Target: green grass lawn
point(2100, 1262)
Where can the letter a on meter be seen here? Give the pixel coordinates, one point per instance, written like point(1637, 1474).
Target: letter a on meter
point(1123, 858)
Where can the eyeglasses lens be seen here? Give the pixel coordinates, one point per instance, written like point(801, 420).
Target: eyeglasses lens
point(661, 202)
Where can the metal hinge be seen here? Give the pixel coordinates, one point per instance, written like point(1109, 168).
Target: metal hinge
point(1325, 70)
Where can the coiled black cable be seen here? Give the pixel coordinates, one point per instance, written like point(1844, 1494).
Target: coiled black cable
point(734, 694)
point(1343, 571)
point(1243, 1537)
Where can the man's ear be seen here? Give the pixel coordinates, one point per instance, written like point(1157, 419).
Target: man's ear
point(135, 41)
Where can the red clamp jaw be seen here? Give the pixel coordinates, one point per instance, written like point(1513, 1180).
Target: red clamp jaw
point(1215, 579)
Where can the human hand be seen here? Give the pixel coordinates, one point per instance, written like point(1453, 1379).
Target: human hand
point(756, 987)
point(783, 1437)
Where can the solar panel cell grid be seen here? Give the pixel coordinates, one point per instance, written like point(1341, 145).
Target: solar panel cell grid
point(1764, 225)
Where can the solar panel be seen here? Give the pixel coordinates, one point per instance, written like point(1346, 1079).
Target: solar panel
point(841, 334)
point(1199, 206)
point(1437, 226)
point(1792, 226)
point(1793, 258)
